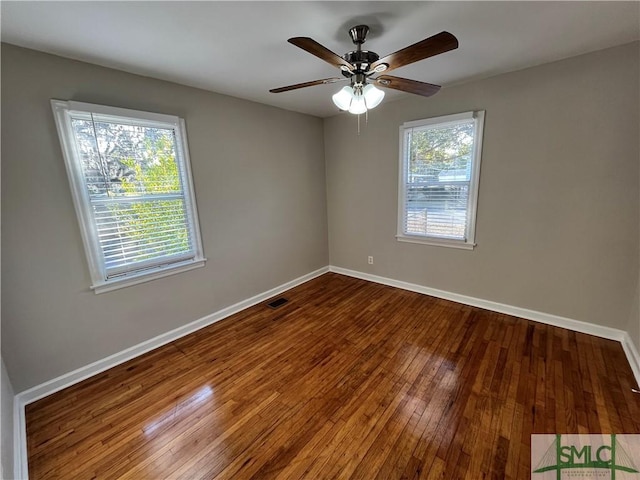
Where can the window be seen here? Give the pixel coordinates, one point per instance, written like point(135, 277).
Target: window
point(439, 173)
point(132, 189)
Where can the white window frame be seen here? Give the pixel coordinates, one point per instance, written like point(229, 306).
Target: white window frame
point(469, 242)
point(97, 270)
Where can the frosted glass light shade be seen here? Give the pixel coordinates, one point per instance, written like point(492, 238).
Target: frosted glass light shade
point(358, 100)
point(358, 105)
point(372, 95)
point(343, 98)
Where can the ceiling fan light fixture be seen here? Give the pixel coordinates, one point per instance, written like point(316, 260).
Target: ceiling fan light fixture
point(343, 98)
point(358, 100)
point(372, 95)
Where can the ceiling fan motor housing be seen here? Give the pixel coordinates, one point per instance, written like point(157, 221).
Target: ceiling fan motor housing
point(361, 59)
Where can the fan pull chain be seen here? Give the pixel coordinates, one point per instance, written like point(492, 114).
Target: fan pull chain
point(358, 124)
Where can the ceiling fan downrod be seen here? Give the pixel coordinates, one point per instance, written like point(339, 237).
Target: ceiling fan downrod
point(360, 59)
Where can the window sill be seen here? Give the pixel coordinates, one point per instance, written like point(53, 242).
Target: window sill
point(437, 242)
point(130, 280)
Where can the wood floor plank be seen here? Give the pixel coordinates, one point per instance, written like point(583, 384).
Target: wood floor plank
point(349, 379)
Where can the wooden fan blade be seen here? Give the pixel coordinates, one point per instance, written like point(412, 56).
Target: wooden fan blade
point(429, 47)
point(320, 51)
point(307, 84)
point(406, 85)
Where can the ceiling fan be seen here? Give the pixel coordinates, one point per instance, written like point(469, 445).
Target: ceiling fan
point(359, 66)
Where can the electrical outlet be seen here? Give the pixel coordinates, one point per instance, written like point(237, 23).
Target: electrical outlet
point(370, 260)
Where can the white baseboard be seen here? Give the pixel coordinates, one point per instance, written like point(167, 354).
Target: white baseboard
point(20, 465)
point(63, 381)
point(563, 322)
point(633, 356)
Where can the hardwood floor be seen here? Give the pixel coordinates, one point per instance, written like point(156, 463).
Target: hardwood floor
point(349, 380)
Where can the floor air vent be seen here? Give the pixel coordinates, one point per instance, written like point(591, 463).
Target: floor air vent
point(277, 302)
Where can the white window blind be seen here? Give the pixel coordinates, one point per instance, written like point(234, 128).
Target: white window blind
point(132, 187)
point(439, 172)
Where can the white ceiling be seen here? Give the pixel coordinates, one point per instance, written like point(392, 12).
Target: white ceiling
point(240, 48)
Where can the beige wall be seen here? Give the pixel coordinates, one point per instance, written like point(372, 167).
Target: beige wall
point(634, 322)
point(558, 217)
point(557, 227)
point(633, 326)
point(259, 177)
